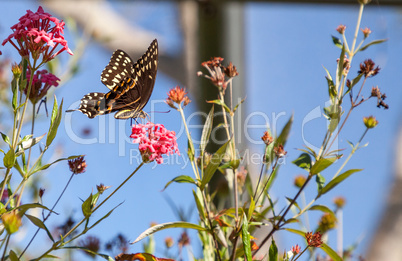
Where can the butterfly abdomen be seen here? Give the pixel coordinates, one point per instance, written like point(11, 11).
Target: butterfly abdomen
point(93, 104)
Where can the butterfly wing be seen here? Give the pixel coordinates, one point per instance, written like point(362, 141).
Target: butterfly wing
point(119, 67)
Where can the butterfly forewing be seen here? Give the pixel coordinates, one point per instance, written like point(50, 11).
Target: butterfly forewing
point(119, 67)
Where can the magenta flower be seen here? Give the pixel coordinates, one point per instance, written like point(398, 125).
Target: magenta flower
point(154, 141)
point(38, 33)
point(41, 83)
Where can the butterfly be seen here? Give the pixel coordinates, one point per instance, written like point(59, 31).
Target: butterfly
point(131, 85)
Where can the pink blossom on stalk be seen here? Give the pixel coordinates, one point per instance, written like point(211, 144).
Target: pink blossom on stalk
point(38, 33)
point(154, 141)
point(41, 83)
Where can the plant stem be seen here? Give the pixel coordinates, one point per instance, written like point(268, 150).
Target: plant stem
point(48, 215)
point(5, 247)
point(278, 225)
point(58, 243)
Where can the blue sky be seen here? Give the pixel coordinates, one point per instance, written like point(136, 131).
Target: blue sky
point(286, 47)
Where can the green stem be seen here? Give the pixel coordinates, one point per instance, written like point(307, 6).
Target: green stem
point(48, 215)
point(190, 140)
point(359, 18)
point(5, 247)
point(58, 243)
point(301, 253)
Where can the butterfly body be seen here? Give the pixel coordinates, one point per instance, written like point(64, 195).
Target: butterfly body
point(131, 85)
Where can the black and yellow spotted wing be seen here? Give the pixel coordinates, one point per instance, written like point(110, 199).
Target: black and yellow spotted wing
point(131, 85)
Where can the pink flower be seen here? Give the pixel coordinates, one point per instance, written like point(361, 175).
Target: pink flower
point(154, 141)
point(41, 83)
point(35, 34)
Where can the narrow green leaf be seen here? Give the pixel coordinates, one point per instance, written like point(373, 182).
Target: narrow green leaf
point(333, 183)
point(331, 253)
point(371, 43)
point(39, 223)
point(13, 256)
point(200, 206)
point(295, 231)
point(206, 131)
point(190, 150)
point(251, 209)
point(294, 204)
point(106, 257)
point(219, 102)
point(39, 168)
point(105, 216)
point(213, 165)
point(87, 207)
point(9, 159)
point(26, 144)
point(54, 122)
point(322, 164)
point(159, 227)
point(235, 108)
point(303, 161)
point(337, 42)
point(273, 251)
point(282, 138)
point(322, 208)
point(320, 180)
point(354, 81)
point(15, 94)
point(246, 238)
point(339, 69)
point(23, 208)
point(181, 179)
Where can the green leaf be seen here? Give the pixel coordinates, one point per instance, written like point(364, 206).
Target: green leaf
point(23, 208)
point(322, 208)
point(294, 204)
point(339, 69)
point(15, 94)
point(190, 150)
point(273, 251)
point(54, 122)
point(303, 161)
point(213, 165)
point(295, 231)
point(246, 238)
point(28, 143)
point(251, 209)
point(206, 131)
point(221, 103)
point(354, 81)
point(106, 257)
point(333, 183)
point(159, 227)
point(13, 256)
point(322, 164)
point(200, 206)
point(331, 253)
point(9, 159)
point(5, 138)
point(235, 108)
point(181, 179)
point(320, 180)
point(371, 43)
point(337, 42)
point(39, 168)
point(282, 138)
point(105, 216)
point(39, 223)
point(87, 206)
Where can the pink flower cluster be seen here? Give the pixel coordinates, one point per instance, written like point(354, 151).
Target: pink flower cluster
point(154, 141)
point(35, 34)
point(41, 83)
